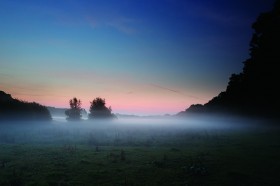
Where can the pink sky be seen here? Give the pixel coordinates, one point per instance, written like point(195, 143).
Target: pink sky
point(149, 100)
point(123, 92)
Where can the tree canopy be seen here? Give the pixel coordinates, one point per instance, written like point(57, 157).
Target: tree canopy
point(98, 110)
point(74, 113)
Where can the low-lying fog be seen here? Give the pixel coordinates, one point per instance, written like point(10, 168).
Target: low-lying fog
point(136, 131)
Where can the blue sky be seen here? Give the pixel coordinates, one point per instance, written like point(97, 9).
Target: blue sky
point(143, 57)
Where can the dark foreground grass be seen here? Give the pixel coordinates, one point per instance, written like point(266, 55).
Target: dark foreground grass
point(201, 157)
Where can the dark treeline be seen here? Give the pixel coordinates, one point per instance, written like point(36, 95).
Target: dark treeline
point(13, 109)
point(255, 91)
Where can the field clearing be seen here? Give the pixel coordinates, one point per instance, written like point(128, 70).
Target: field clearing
point(212, 152)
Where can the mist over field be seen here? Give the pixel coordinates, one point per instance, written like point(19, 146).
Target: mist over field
point(123, 131)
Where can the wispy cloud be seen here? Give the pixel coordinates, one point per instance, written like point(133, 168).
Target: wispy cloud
point(176, 91)
point(164, 88)
point(123, 24)
point(217, 16)
point(92, 21)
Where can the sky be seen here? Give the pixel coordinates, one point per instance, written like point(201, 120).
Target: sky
point(144, 57)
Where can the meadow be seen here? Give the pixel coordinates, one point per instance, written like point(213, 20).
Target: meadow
point(194, 151)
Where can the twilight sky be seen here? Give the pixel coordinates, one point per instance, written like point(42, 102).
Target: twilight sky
point(143, 56)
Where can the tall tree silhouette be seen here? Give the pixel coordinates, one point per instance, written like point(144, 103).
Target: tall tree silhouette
point(255, 90)
point(98, 109)
point(74, 113)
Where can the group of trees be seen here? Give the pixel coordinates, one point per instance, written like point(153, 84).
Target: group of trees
point(98, 109)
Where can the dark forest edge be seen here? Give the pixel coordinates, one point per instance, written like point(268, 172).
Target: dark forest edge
point(14, 109)
point(254, 91)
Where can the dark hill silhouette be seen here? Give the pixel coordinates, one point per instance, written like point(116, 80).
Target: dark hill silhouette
point(255, 91)
point(13, 109)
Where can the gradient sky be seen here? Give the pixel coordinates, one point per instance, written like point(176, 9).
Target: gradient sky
point(143, 56)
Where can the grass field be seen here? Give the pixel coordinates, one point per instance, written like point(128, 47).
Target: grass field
point(209, 153)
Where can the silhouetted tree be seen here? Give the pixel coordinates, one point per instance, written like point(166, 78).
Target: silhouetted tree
point(74, 113)
point(98, 110)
